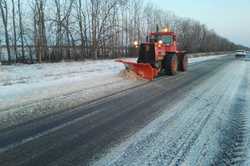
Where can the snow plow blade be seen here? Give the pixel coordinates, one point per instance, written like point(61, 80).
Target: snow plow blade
point(144, 70)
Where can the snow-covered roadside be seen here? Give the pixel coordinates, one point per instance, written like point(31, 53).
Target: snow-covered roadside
point(204, 58)
point(30, 91)
point(22, 83)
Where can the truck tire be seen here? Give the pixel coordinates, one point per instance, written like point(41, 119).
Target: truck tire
point(170, 64)
point(182, 62)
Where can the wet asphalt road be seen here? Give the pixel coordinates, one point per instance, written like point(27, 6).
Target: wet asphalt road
point(80, 135)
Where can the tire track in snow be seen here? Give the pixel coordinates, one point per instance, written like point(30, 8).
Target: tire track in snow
point(233, 144)
point(211, 102)
point(174, 151)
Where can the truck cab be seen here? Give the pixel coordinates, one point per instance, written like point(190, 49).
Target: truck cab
point(165, 42)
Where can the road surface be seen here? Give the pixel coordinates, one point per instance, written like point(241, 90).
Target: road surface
point(195, 118)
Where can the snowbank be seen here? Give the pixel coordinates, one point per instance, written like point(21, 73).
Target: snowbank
point(30, 91)
point(204, 58)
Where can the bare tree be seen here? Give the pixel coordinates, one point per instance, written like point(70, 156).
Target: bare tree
point(21, 30)
point(14, 29)
point(95, 9)
point(4, 13)
point(39, 29)
point(63, 12)
point(80, 29)
point(82, 23)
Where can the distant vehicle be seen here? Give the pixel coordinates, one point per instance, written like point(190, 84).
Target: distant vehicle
point(240, 54)
point(247, 58)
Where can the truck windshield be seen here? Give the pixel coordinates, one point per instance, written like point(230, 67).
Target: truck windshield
point(167, 39)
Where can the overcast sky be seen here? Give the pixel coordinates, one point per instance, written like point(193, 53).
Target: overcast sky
point(229, 18)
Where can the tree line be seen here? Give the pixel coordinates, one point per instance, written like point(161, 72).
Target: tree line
point(54, 30)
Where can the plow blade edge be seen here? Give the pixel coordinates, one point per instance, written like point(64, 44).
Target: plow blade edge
point(144, 70)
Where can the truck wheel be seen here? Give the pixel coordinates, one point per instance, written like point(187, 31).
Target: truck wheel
point(170, 64)
point(182, 63)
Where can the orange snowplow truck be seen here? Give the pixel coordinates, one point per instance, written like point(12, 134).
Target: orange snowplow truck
point(157, 55)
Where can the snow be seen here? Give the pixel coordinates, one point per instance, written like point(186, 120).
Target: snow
point(30, 91)
point(22, 81)
point(189, 132)
point(204, 58)
point(36, 90)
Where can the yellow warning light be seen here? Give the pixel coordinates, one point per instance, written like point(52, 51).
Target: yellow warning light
point(136, 44)
point(166, 29)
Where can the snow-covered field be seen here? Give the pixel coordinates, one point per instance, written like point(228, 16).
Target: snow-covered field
point(20, 83)
point(43, 88)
